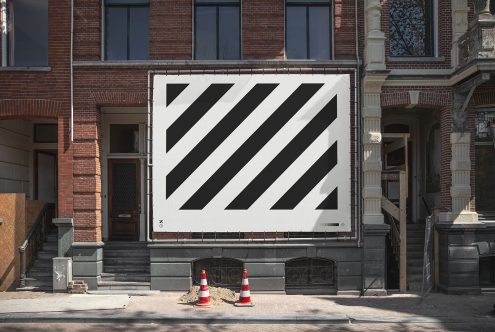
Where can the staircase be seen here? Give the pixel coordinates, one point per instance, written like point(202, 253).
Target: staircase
point(126, 266)
point(40, 276)
point(415, 252)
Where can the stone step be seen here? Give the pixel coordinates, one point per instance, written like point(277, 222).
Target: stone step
point(123, 285)
point(126, 253)
point(40, 274)
point(50, 246)
point(46, 254)
point(51, 238)
point(35, 289)
point(126, 269)
point(126, 244)
point(140, 277)
point(39, 282)
point(126, 260)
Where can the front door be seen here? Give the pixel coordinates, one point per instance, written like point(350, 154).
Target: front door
point(124, 199)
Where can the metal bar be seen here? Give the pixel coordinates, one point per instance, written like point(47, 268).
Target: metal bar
point(403, 232)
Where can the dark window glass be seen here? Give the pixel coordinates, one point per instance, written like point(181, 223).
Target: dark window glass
point(487, 271)
point(126, 30)
point(485, 178)
point(124, 138)
point(308, 29)
point(206, 31)
point(45, 133)
point(124, 186)
point(28, 33)
point(217, 30)
point(309, 272)
point(411, 27)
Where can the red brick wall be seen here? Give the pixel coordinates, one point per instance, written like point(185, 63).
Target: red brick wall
point(31, 94)
point(87, 29)
point(170, 29)
point(263, 34)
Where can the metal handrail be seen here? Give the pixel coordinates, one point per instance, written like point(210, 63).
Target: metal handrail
point(33, 243)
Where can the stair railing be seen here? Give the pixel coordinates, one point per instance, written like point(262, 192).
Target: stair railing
point(400, 214)
point(34, 242)
point(394, 236)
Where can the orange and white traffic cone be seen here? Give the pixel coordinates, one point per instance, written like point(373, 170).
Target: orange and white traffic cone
point(245, 295)
point(204, 299)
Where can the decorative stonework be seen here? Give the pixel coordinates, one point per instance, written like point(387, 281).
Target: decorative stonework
point(375, 38)
point(460, 190)
point(372, 145)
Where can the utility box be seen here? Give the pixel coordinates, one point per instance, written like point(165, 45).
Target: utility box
point(62, 274)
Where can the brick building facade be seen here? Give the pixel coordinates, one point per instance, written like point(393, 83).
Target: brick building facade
point(106, 89)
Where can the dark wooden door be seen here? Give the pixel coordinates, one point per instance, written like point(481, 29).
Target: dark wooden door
point(124, 199)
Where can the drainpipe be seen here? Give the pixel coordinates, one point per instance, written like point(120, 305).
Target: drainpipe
point(71, 128)
point(3, 19)
point(357, 95)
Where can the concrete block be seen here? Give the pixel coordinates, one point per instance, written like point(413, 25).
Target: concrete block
point(340, 254)
point(87, 254)
point(373, 282)
point(463, 280)
point(349, 268)
point(463, 252)
point(374, 255)
point(170, 269)
point(267, 284)
point(265, 269)
point(171, 284)
point(62, 273)
point(464, 266)
point(89, 269)
point(349, 283)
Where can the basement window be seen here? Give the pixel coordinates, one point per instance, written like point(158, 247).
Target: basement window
point(27, 33)
point(220, 272)
point(302, 274)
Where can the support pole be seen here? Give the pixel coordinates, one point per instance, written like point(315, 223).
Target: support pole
point(403, 231)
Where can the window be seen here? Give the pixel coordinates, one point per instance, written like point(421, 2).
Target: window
point(126, 29)
point(411, 28)
point(217, 28)
point(308, 29)
point(27, 33)
point(45, 133)
point(124, 138)
point(485, 162)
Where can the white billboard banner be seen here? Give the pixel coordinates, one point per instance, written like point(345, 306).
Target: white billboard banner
point(251, 153)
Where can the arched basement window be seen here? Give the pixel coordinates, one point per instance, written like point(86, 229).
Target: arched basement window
point(220, 272)
point(303, 274)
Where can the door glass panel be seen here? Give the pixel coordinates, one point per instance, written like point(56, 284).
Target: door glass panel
point(124, 186)
point(124, 138)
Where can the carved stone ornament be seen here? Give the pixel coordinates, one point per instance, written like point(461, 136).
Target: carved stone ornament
point(482, 6)
point(459, 115)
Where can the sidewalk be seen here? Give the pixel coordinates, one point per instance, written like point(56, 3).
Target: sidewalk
point(269, 308)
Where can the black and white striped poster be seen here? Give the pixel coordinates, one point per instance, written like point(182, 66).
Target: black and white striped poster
point(251, 153)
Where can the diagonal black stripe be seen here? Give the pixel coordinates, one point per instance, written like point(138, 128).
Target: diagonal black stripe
point(217, 135)
point(331, 202)
point(251, 146)
point(195, 112)
point(174, 90)
point(308, 181)
point(286, 157)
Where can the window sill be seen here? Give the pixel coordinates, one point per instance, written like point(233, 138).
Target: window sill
point(416, 59)
point(41, 69)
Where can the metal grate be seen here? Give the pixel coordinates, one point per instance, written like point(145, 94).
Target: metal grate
point(309, 272)
point(484, 122)
point(220, 272)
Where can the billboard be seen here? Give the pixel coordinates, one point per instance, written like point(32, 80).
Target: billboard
point(251, 153)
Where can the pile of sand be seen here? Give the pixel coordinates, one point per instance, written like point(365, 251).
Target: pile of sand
point(218, 295)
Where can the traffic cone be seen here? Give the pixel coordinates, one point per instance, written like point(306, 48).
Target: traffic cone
point(204, 299)
point(245, 295)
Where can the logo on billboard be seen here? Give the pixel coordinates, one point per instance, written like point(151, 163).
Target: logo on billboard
point(251, 153)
